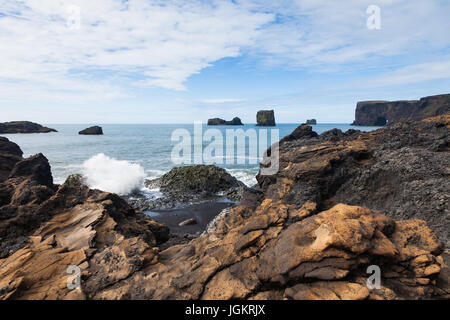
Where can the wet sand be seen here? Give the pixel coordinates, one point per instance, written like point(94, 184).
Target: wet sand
point(203, 213)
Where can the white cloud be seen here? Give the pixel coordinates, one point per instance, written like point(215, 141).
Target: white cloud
point(220, 101)
point(161, 43)
point(140, 43)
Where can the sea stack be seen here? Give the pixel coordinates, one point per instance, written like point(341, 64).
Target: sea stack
point(23, 127)
point(220, 122)
point(265, 118)
point(95, 130)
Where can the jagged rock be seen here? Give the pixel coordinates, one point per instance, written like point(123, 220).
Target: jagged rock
point(220, 122)
point(265, 118)
point(282, 245)
point(46, 228)
point(400, 171)
point(281, 251)
point(311, 122)
point(10, 154)
point(95, 130)
point(23, 127)
point(74, 180)
point(380, 113)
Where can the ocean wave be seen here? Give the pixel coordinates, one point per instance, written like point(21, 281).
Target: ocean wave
point(112, 175)
point(248, 177)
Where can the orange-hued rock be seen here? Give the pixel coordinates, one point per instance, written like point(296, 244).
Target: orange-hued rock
point(268, 255)
point(297, 238)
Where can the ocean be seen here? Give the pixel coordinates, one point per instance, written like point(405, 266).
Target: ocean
point(127, 154)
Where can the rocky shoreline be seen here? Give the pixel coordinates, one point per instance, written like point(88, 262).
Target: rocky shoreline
point(340, 202)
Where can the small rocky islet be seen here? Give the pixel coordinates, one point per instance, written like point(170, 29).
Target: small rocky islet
point(339, 203)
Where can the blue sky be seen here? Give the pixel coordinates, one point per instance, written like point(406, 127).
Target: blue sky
point(142, 61)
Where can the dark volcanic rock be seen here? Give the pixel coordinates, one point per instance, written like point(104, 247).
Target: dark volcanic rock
point(401, 171)
point(95, 130)
point(23, 127)
point(220, 122)
point(265, 118)
point(10, 154)
point(191, 184)
point(277, 247)
point(380, 113)
point(311, 122)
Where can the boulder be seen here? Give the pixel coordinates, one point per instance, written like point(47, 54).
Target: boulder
point(95, 130)
point(380, 113)
point(191, 184)
point(220, 122)
point(265, 118)
point(23, 127)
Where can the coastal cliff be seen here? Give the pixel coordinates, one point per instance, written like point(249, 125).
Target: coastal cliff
point(340, 202)
point(380, 113)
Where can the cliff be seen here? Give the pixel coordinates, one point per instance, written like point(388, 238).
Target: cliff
point(380, 113)
point(23, 127)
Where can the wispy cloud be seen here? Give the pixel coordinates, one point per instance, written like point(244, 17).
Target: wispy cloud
point(124, 45)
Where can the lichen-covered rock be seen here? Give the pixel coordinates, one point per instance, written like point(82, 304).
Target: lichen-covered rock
point(74, 180)
point(95, 130)
point(191, 184)
point(265, 118)
point(23, 127)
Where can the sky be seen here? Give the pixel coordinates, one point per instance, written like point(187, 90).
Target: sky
point(175, 61)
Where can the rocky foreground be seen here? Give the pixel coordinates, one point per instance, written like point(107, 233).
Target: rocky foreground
point(304, 236)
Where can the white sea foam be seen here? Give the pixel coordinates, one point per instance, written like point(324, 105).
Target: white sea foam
point(112, 175)
point(248, 177)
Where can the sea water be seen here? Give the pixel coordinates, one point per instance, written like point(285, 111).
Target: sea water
point(127, 154)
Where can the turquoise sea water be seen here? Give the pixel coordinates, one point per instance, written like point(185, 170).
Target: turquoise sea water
point(149, 146)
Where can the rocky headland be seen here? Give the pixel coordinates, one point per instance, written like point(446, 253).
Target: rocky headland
point(265, 118)
point(95, 130)
point(23, 127)
point(341, 202)
point(220, 122)
point(380, 113)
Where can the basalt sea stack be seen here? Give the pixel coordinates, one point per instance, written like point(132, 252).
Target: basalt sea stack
point(220, 122)
point(95, 130)
point(265, 118)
